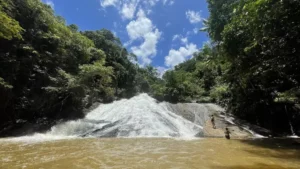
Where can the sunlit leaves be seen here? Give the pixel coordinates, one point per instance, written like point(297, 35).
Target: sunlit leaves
point(9, 28)
point(4, 84)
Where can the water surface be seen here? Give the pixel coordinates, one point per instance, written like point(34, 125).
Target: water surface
point(151, 153)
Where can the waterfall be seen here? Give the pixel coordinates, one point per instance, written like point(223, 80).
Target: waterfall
point(140, 116)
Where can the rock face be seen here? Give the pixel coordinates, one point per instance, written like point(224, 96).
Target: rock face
point(200, 115)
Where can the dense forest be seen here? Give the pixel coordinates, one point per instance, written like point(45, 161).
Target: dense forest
point(50, 70)
point(252, 65)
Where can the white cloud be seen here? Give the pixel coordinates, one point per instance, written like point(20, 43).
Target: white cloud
point(128, 9)
point(168, 24)
point(196, 30)
point(175, 37)
point(50, 3)
point(184, 40)
point(142, 28)
point(178, 56)
point(141, 14)
point(168, 2)
point(161, 71)
point(151, 2)
point(137, 28)
point(106, 3)
point(148, 48)
point(193, 17)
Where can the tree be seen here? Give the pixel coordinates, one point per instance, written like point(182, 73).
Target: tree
point(258, 39)
point(9, 27)
point(49, 69)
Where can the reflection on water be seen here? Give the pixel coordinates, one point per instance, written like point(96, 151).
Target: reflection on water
point(152, 153)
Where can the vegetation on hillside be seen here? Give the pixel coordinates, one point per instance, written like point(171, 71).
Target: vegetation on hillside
point(252, 65)
point(51, 70)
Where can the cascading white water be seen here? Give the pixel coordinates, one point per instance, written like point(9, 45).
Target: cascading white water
point(140, 116)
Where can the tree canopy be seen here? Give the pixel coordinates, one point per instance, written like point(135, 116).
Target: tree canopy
point(53, 70)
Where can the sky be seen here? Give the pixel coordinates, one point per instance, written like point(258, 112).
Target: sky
point(162, 33)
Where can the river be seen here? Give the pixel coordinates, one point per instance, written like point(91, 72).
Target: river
point(121, 153)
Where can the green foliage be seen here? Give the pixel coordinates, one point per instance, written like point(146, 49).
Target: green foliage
point(117, 57)
point(259, 41)
point(97, 77)
point(221, 12)
point(4, 84)
point(199, 79)
point(73, 28)
point(52, 69)
point(219, 93)
point(56, 71)
point(9, 27)
point(147, 81)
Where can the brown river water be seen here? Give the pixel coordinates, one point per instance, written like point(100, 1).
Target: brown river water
point(115, 153)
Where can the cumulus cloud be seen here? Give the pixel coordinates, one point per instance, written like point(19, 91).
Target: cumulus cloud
point(128, 9)
point(193, 17)
point(176, 57)
point(148, 48)
point(140, 29)
point(50, 3)
point(143, 29)
point(137, 28)
point(106, 3)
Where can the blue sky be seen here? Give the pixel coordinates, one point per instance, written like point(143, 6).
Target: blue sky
point(162, 33)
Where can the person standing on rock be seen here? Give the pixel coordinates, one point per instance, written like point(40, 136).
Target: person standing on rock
point(227, 133)
point(212, 119)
